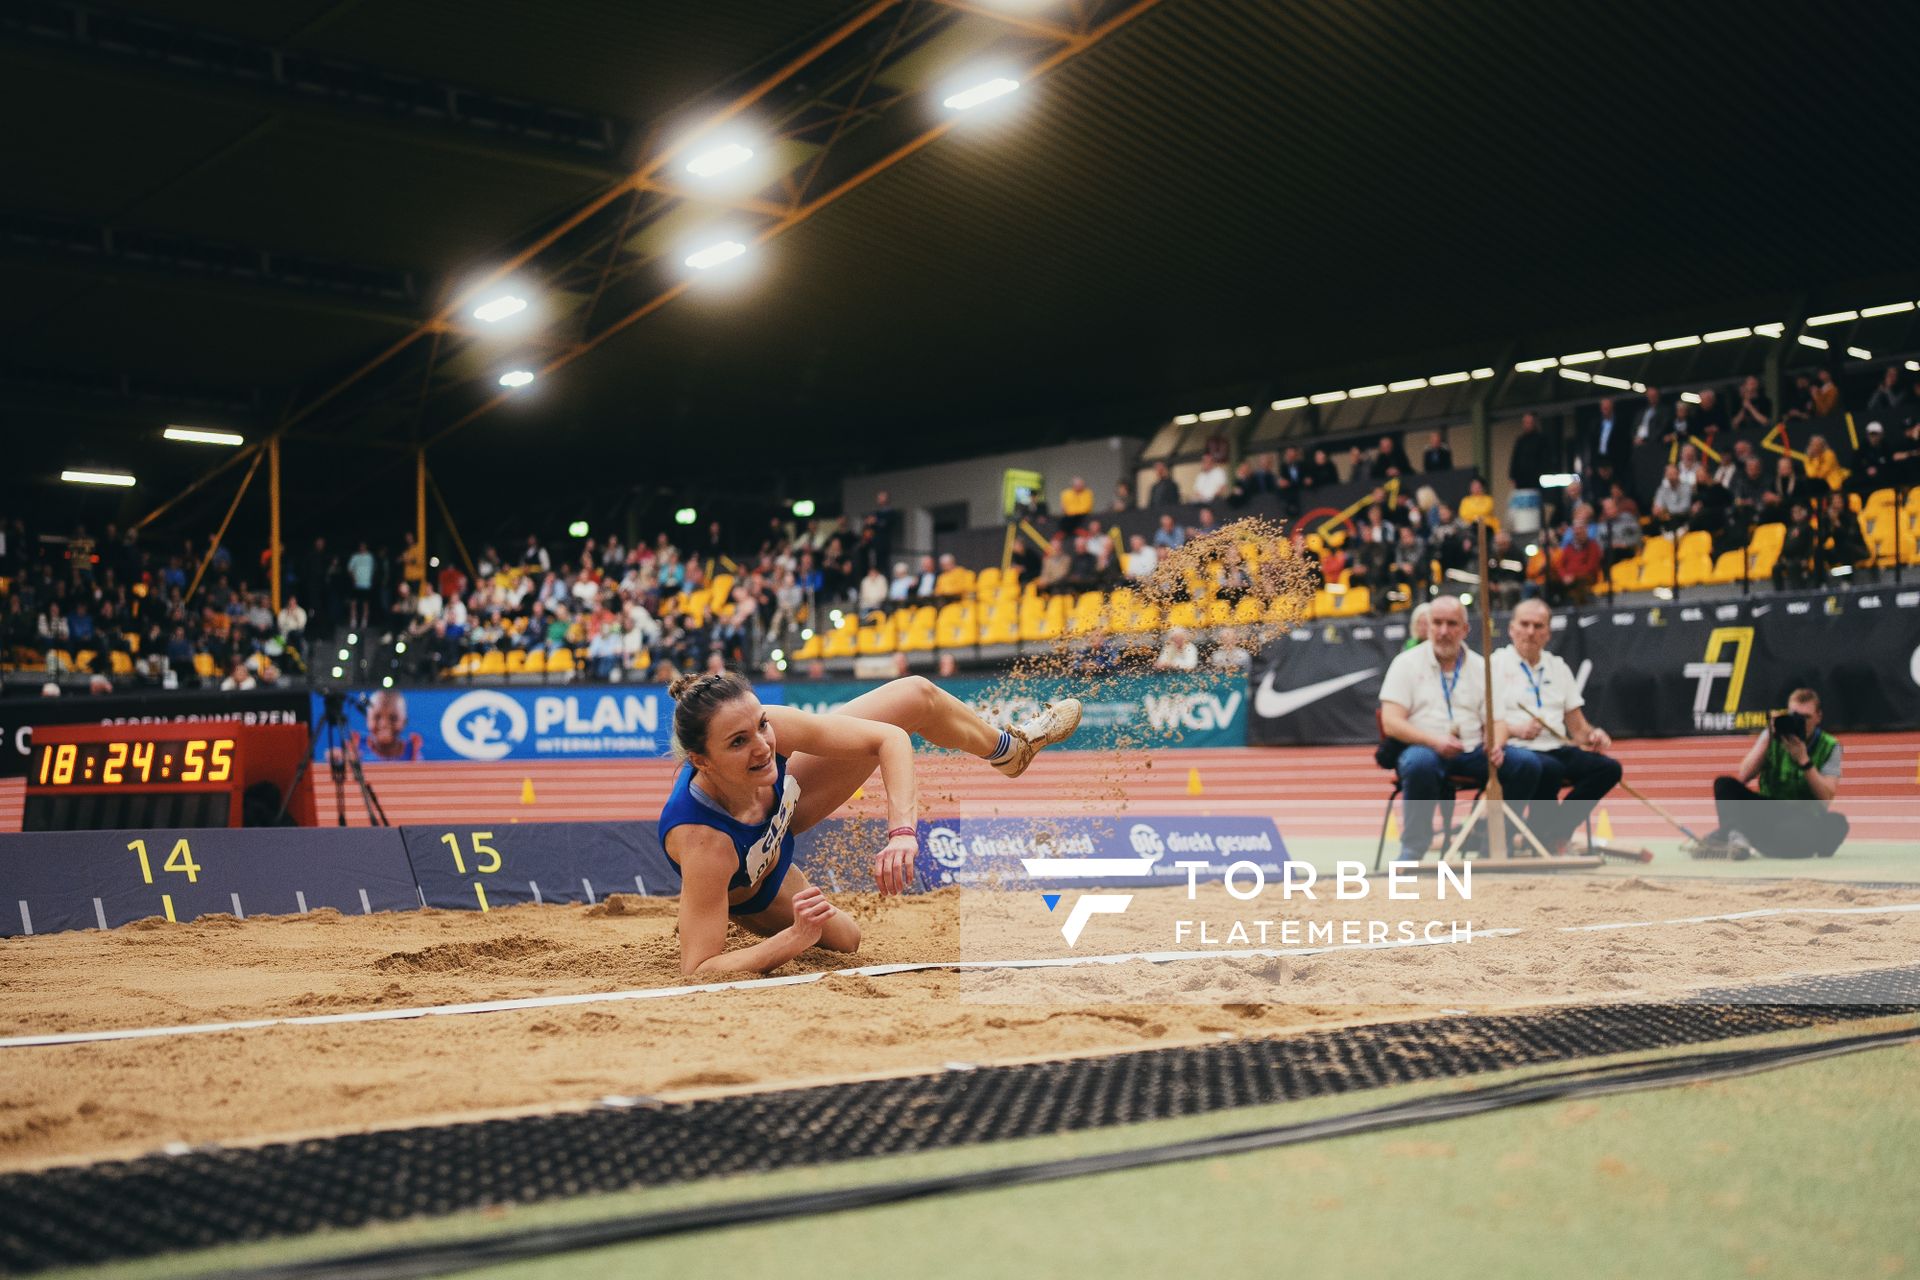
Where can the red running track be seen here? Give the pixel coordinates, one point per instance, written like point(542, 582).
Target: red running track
point(1313, 791)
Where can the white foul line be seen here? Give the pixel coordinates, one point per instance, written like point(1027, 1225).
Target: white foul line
point(878, 971)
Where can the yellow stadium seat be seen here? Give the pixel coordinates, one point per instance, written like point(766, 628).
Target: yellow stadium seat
point(1696, 544)
point(1003, 625)
point(1768, 537)
point(203, 665)
point(516, 662)
point(1695, 570)
point(84, 660)
point(119, 663)
point(1184, 614)
point(954, 582)
point(642, 659)
point(1356, 600)
point(492, 663)
point(1284, 611)
point(1219, 613)
point(133, 639)
point(1625, 575)
point(843, 641)
point(720, 594)
point(1249, 610)
point(536, 662)
point(1730, 567)
point(1088, 612)
point(811, 648)
point(876, 639)
point(987, 581)
point(1043, 618)
point(560, 662)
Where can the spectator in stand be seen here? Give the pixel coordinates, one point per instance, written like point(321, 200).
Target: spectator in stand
point(1673, 499)
point(1076, 504)
point(1249, 482)
point(1388, 460)
point(1122, 498)
point(1178, 652)
point(900, 589)
point(1793, 568)
point(1790, 487)
point(1749, 484)
point(1409, 568)
point(926, 583)
point(1477, 506)
point(1454, 542)
point(954, 583)
point(1710, 418)
point(1229, 654)
point(1872, 463)
point(1609, 441)
point(946, 666)
point(1826, 395)
point(1889, 400)
point(1823, 465)
point(1620, 530)
point(873, 590)
point(1576, 566)
point(885, 522)
point(1142, 559)
point(1212, 482)
point(238, 677)
point(293, 623)
point(1755, 412)
point(1529, 460)
point(1169, 536)
point(1437, 457)
point(1322, 473)
point(1655, 422)
point(1844, 544)
point(360, 569)
point(1056, 568)
point(1799, 400)
point(1205, 523)
point(534, 557)
point(1165, 492)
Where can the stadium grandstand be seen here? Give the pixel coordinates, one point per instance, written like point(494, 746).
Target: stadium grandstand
point(959, 638)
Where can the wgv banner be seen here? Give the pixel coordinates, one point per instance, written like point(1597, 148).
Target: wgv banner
point(1662, 671)
point(1119, 711)
point(1015, 852)
point(583, 722)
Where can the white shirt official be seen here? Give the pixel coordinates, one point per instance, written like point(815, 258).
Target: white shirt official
point(1548, 689)
point(1455, 703)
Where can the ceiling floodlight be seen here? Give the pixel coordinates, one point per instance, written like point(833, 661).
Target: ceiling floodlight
point(1728, 335)
point(1482, 374)
point(1808, 340)
point(1408, 384)
point(1328, 397)
point(1833, 317)
point(1605, 381)
point(1185, 419)
point(715, 254)
point(985, 91)
point(1582, 357)
point(516, 378)
point(803, 507)
point(1447, 379)
point(498, 309)
point(1537, 366)
point(1892, 308)
point(1674, 344)
point(1773, 330)
point(685, 515)
point(114, 479)
point(1361, 393)
point(1578, 375)
point(1860, 353)
point(194, 435)
point(1631, 349)
point(1291, 402)
point(730, 155)
point(1216, 415)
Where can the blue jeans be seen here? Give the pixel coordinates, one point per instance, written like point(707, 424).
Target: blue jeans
point(1423, 776)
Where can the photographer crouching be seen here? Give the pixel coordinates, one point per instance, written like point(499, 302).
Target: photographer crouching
point(1791, 760)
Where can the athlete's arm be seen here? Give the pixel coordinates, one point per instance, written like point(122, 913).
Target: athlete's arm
point(707, 862)
point(850, 736)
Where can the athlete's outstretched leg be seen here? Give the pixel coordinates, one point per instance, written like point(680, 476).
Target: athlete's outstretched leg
point(920, 706)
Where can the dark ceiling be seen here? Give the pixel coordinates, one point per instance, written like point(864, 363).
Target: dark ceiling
point(215, 211)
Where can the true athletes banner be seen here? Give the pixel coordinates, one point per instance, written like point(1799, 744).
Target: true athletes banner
point(581, 722)
point(1660, 671)
point(1200, 710)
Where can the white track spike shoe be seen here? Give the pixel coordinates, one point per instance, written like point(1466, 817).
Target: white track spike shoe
point(1053, 725)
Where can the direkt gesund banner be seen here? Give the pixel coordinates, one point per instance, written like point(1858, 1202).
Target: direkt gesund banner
point(1120, 711)
point(1664, 671)
point(583, 722)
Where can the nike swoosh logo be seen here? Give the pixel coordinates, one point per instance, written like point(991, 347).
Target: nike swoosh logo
point(1762, 610)
point(1270, 703)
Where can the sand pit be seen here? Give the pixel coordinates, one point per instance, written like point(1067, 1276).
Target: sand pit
point(79, 1102)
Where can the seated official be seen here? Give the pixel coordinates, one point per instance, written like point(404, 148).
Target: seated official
point(1528, 681)
point(1433, 703)
point(1794, 761)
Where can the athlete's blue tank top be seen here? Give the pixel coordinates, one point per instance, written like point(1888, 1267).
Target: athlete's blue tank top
point(765, 849)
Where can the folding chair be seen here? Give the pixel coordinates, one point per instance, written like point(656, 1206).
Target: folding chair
point(1449, 794)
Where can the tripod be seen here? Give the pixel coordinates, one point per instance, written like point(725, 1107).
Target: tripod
point(343, 755)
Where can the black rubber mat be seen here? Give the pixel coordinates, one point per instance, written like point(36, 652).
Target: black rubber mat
point(138, 1208)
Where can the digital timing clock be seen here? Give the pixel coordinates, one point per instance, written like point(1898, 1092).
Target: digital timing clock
point(96, 777)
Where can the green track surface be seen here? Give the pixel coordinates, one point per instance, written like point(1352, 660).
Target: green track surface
point(1805, 1171)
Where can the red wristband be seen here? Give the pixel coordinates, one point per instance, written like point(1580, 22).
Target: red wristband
point(911, 833)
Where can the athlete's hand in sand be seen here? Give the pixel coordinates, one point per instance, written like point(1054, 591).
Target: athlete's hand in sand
point(811, 911)
point(893, 869)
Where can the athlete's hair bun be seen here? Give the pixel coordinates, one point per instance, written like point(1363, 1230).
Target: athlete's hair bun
point(696, 698)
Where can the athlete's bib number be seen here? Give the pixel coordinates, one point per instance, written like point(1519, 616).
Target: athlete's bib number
point(766, 850)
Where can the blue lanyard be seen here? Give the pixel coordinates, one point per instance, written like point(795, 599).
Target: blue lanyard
point(1446, 685)
point(1537, 701)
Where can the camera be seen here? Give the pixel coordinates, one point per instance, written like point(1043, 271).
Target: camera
point(1790, 724)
